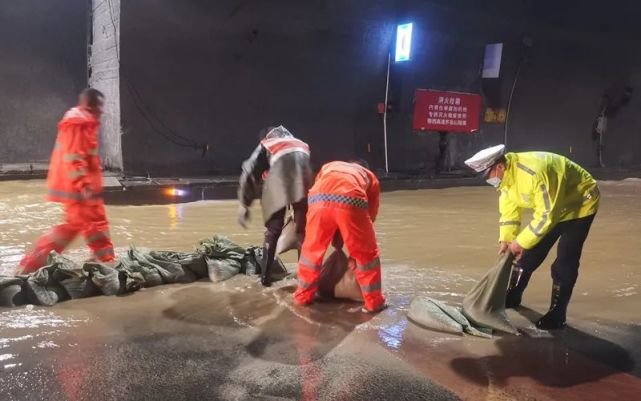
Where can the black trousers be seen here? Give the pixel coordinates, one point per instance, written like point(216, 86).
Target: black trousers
point(274, 227)
point(565, 269)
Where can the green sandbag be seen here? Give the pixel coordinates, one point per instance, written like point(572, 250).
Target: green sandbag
point(71, 277)
point(180, 274)
point(484, 305)
point(150, 276)
point(220, 247)
point(222, 269)
point(81, 287)
point(169, 271)
point(11, 293)
point(42, 290)
point(436, 315)
point(106, 278)
point(114, 280)
point(194, 262)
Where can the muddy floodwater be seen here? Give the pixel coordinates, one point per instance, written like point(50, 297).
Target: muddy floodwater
point(237, 341)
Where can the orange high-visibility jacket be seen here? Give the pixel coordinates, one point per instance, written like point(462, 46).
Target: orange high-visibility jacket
point(75, 163)
point(350, 181)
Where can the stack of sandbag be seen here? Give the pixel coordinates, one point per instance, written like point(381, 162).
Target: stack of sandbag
point(61, 278)
point(483, 309)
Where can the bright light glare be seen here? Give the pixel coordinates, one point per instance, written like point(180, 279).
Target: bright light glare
point(175, 192)
point(403, 42)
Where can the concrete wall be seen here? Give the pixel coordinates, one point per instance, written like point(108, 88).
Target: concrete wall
point(579, 49)
point(104, 63)
point(199, 72)
point(42, 69)
point(216, 72)
point(219, 71)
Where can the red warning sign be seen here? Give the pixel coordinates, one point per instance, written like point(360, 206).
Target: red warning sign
point(446, 111)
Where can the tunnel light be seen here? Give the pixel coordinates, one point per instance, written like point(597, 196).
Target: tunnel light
point(175, 192)
point(403, 42)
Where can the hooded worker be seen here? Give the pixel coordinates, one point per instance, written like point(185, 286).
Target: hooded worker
point(344, 199)
point(279, 172)
point(564, 198)
point(75, 180)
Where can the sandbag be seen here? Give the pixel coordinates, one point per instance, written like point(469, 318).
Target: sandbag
point(11, 293)
point(79, 287)
point(337, 280)
point(288, 239)
point(348, 287)
point(170, 272)
point(220, 247)
point(40, 289)
point(62, 278)
point(193, 262)
point(484, 305)
point(151, 276)
point(436, 315)
point(179, 273)
point(106, 278)
point(222, 269)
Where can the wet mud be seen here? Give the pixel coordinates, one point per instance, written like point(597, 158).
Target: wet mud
point(237, 341)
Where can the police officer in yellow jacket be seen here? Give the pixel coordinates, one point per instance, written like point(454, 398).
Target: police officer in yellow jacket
point(564, 198)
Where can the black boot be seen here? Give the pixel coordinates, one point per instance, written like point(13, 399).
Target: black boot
point(518, 282)
point(555, 318)
point(268, 260)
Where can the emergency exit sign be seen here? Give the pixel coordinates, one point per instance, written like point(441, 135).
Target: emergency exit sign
point(446, 111)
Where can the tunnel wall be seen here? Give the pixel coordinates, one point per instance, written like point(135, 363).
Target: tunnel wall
point(217, 73)
point(42, 69)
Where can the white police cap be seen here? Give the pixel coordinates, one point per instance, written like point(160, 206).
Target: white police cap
point(485, 158)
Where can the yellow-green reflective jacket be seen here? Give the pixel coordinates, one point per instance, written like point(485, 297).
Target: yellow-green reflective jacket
point(556, 188)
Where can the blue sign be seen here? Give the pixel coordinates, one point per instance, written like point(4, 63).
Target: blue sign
point(403, 42)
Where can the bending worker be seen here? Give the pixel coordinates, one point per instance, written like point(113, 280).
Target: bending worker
point(564, 198)
point(75, 180)
point(279, 168)
point(344, 198)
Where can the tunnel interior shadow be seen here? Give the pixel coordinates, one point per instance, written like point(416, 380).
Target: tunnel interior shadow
point(566, 358)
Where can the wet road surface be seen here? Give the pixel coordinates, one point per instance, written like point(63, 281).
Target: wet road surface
point(236, 341)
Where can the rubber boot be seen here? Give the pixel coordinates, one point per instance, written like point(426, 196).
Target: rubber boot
point(555, 318)
point(268, 260)
point(519, 280)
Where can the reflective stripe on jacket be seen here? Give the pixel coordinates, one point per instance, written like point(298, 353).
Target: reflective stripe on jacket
point(553, 186)
point(279, 147)
point(75, 163)
point(350, 181)
point(278, 172)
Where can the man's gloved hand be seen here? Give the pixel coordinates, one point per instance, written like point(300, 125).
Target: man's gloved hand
point(244, 216)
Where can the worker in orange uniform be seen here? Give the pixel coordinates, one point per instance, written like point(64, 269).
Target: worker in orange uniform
point(75, 180)
point(344, 199)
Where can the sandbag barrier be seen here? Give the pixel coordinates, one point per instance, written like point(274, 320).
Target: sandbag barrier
point(216, 258)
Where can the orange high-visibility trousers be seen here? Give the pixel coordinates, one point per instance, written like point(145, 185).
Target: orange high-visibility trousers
point(356, 228)
point(80, 217)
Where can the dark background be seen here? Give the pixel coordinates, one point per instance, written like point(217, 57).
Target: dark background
point(218, 71)
point(43, 66)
